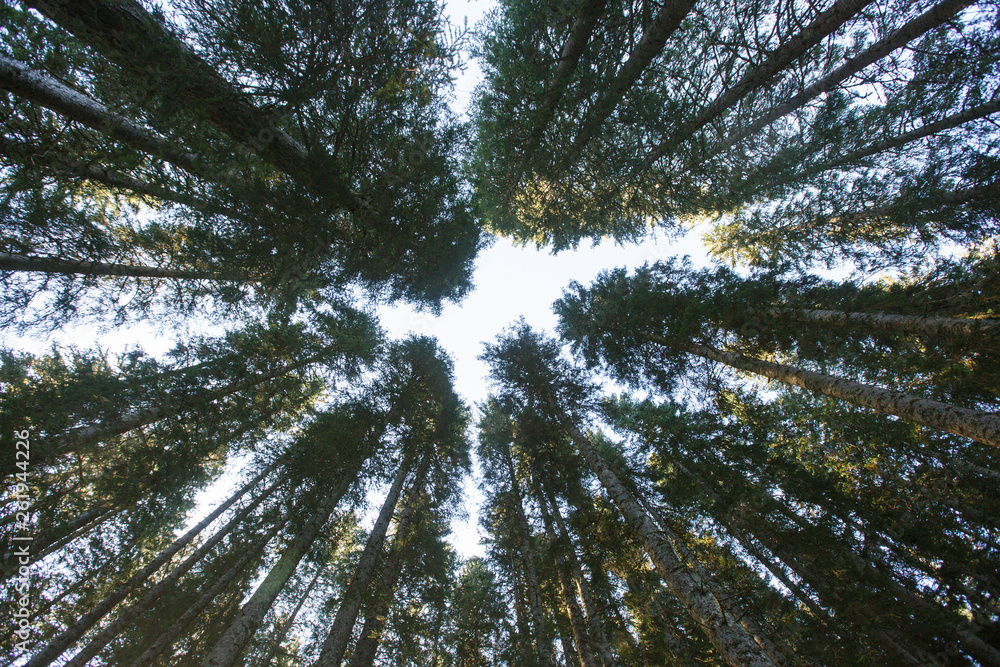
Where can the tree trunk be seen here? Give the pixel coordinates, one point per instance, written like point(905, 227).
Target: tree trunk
point(126, 617)
point(931, 327)
point(654, 38)
point(823, 26)
point(44, 90)
point(335, 645)
point(168, 636)
point(735, 645)
point(976, 424)
point(81, 267)
point(593, 615)
point(542, 645)
point(279, 637)
point(932, 18)
point(65, 639)
point(230, 646)
point(125, 33)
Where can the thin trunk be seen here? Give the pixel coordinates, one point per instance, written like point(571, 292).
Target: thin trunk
point(126, 617)
point(931, 327)
point(932, 18)
point(335, 645)
point(593, 615)
point(378, 607)
point(975, 424)
point(168, 636)
point(42, 89)
point(279, 638)
point(230, 646)
point(82, 267)
point(65, 639)
point(128, 35)
point(578, 624)
point(735, 645)
point(823, 26)
point(542, 645)
point(667, 20)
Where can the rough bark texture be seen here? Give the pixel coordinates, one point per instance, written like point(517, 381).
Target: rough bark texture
point(654, 38)
point(168, 636)
point(335, 645)
point(975, 424)
point(66, 638)
point(230, 646)
point(42, 89)
point(125, 33)
point(932, 18)
point(113, 629)
point(932, 327)
point(824, 25)
point(735, 645)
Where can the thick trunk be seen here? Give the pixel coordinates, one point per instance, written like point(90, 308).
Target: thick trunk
point(81, 267)
point(734, 643)
point(543, 647)
point(593, 615)
point(823, 26)
point(168, 636)
point(975, 424)
point(65, 639)
point(126, 617)
point(230, 646)
point(124, 32)
point(932, 18)
point(577, 622)
point(44, 90)
point(335, 645)
point(654, 38)
point(931, 327)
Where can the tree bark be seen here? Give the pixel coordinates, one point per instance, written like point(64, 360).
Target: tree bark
point(654, 38)
point(277, 640)
point(81, 267)
point(125, 33)
point(975, 424)
point(824, 25)
point(932, 18)
point(44, 90)
point(167, 637)
point(931, 327)
point(335, 644)
point(735, 645)
point(230, 646)
point(65, 639)
point(126, 617)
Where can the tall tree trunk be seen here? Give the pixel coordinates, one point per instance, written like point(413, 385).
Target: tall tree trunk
point(932, 18)
point(735, 645)
point(125, 33)
point(931, 327)
point(578, 624)
point(593, 615)
point(168, 636)
point(230, 646)
point(335, 645)
point(823, 26)
point(279, 637)
point(42, 89)
point(976, 424)
point(82, 267)
point(126, 617)
point(65, 639)
point(543, 648)
point(378, 607)
point(654, 38)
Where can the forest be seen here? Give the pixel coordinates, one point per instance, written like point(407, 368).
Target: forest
point(786, 458)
